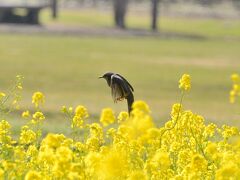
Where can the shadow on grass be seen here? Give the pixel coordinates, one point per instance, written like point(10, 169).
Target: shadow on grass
point(62, 30)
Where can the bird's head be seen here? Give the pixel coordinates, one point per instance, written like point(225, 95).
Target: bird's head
point(107, 77)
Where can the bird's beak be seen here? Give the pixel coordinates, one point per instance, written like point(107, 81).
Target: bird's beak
point(100, 77)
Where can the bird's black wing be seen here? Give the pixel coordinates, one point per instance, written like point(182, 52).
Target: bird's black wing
point(126, 81)
point(119, 87)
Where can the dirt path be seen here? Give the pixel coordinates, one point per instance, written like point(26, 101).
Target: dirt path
point(58, 29)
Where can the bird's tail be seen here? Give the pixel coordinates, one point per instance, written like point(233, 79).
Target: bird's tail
point(130, 100)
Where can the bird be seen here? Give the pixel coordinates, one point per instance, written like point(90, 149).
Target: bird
point(120, 88)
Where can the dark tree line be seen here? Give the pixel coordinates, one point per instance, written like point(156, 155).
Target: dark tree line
point(120, 8)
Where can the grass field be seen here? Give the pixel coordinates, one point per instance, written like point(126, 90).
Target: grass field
point(208, 28)
point(65, 69)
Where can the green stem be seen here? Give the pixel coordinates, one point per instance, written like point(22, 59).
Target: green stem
point(199, 145)
point(168, 129)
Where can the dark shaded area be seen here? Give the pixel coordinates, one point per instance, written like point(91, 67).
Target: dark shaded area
point(96, 32)
point(9, 15)
point(30, 15)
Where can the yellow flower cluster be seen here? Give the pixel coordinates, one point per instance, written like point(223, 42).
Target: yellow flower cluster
point(10, 100)
point(185, 82)
point(38, 99)
point(26, 114)
point(107, 116)
point(134, 148)
point(2, 95)
point(79, 116)
point(27, 136)
point(235, 88)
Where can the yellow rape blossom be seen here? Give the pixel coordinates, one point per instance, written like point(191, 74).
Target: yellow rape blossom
point(107, 116)
point(53, 140)
point(161, 160)
point(235, 91)
point(38, 99)
point(183, 147)
point(38, 116)
point(81, 111)
point(33, 175)
point(198, 163)
point(26, 114)
point(137, 175)
point(123, 116)
point(27, 135)
point(185, 82)
point(141, 106)
point(235, 78)
point(4, 126)
point(1, 173)
point(113, 164)
point(2, 95)
point(228, 171)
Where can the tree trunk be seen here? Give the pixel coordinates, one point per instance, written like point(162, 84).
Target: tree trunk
point(155, 14)
point(120, 9)
point(54, 9)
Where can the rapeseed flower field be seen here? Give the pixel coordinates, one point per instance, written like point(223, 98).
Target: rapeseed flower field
point(124, 146)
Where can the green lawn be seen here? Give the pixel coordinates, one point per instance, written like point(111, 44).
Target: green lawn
point(65, 69)
point(209, 28)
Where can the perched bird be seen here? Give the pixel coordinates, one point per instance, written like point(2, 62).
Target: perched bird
point(120, 87)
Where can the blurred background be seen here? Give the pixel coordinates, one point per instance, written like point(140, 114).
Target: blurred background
point(62, 46)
